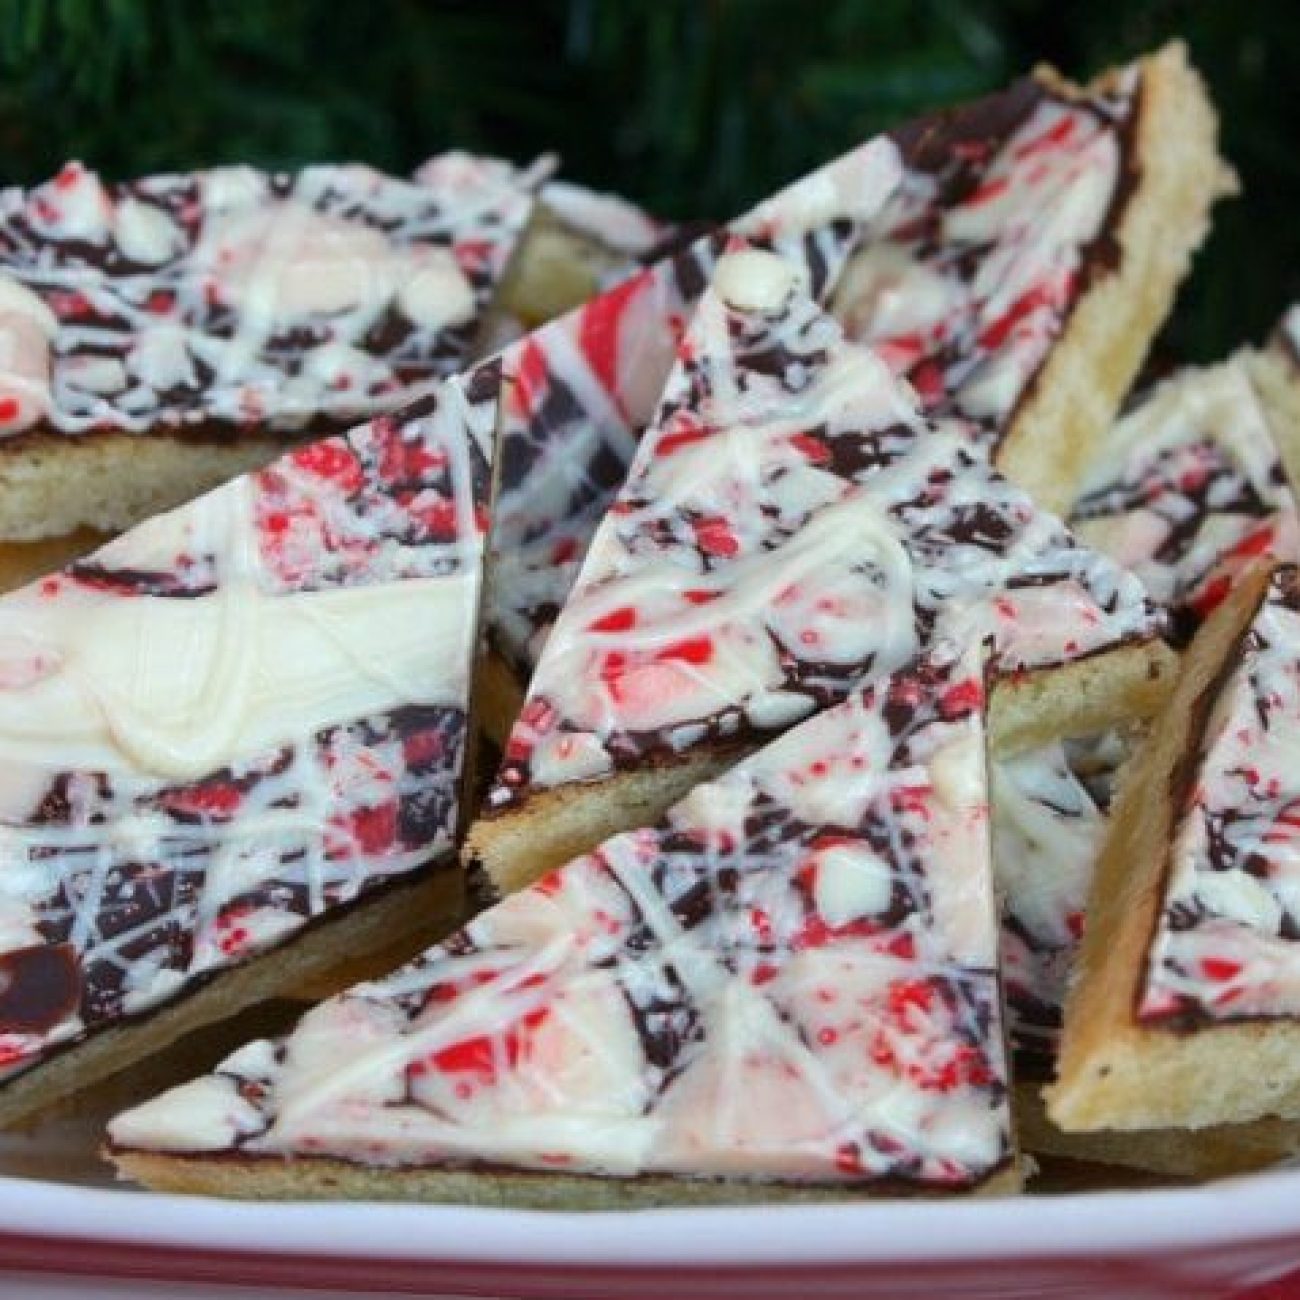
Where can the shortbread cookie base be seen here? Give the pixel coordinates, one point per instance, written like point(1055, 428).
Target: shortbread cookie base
point(21, 562)
point(1113, 1072)
point(500, 698)
point(318, 956)
point(1277, 382)
point(53, 485)
point(553, 826)
point(1116, 688)
point(1074, 398)
point(319, 1179)
point(557, 269)
point(1218, 1152)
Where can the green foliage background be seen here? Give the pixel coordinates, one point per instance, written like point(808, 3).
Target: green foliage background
point(694, 107)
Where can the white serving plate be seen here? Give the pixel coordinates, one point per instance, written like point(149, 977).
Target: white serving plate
point(64, 1222)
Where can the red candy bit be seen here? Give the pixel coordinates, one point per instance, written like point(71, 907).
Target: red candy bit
point(697, 597)
point(215, 802)
point(160, 302)
point(10, 408)
point(811, 447)
point(69, 305)
point(407, 459)
point(422, 747)
point(1212, 595)
point(848, 1159)
point(332, 461)
point(901, 352)
point(366, 830)
point(928, 380)
point(1220, 968)
point(531, 379)
point(617, 620)
point(550, 884)
point(962, 699)
point(1050, 294)
point(987, 192)
point(436, 515)
point(761, 924)
point(911, 799)
point(714, 537)
point(474, 255)
point(538, 714)
point(564, 550)
point(683, 431)
point(483, 1055)
point(694, 650)
point(601, 325)
point(816, 932)
point(1054, 137)
point(13, 1049)
point(909, 1000)
point(1258, 542)
point(232, 934)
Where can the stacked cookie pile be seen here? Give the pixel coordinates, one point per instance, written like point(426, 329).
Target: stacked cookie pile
point(778, 653)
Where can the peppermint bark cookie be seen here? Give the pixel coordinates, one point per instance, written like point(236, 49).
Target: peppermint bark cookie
point(1188, 489)
point(232, 743)
point(580, 392)
point(162, 335)
point(790, 526)
point(1184, 1009)
point(1034, 250)
point(785, 990)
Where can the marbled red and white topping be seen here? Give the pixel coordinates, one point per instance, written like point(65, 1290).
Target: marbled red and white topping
point(1189, 490)
point(1050, 813)
point(237, 299)
point(1006, 214)
point(581, 391)
point(790, 525)
point(792, 977)
point(237, 717)
point(1227, 940)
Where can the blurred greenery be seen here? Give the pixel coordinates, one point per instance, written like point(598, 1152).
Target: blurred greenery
point(694, 107)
